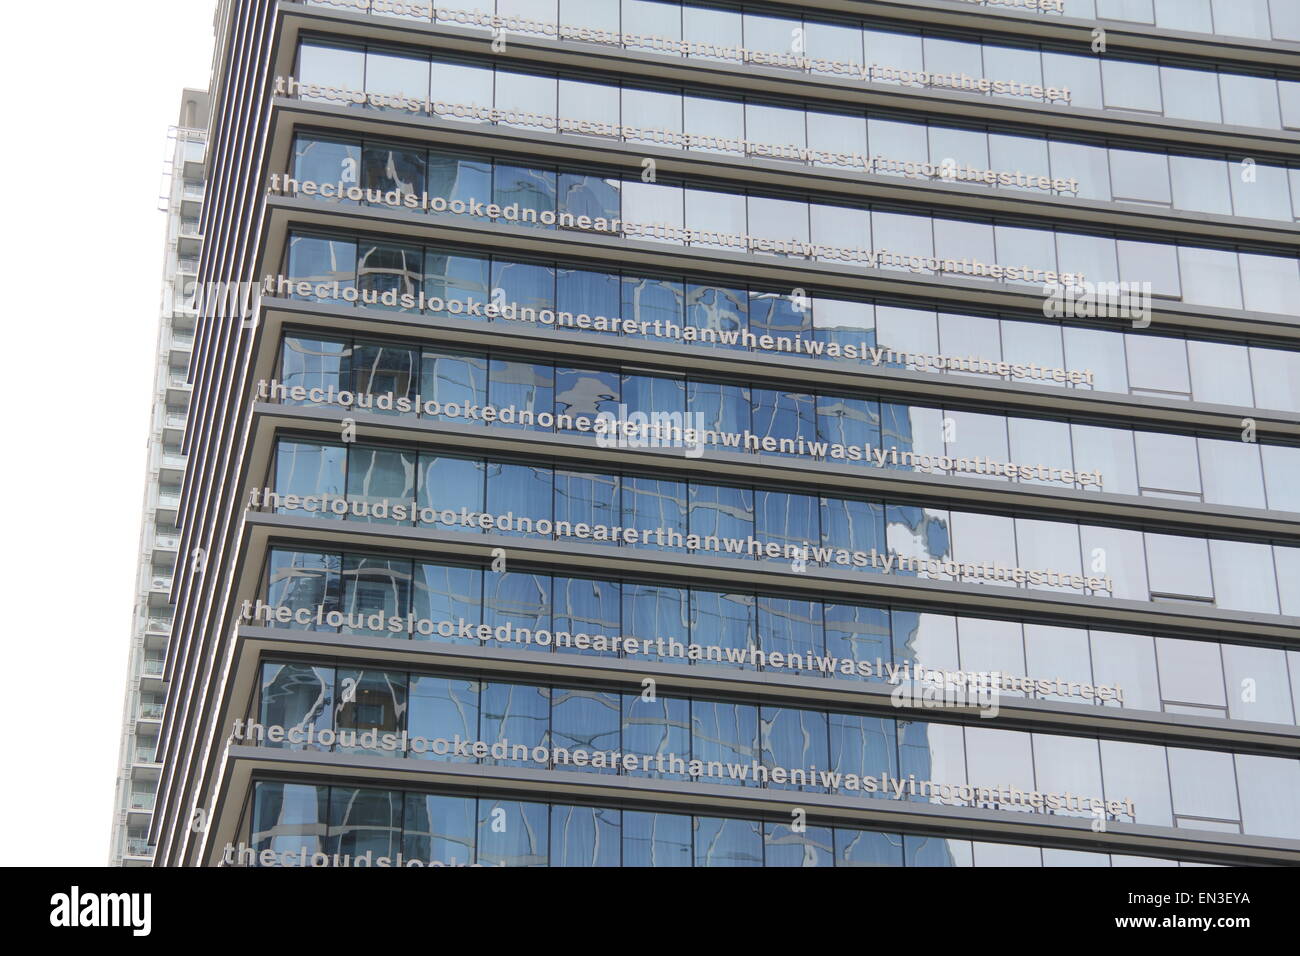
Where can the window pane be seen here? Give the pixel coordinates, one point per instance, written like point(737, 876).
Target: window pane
point(521, 490)
point(511, 833)
point(1200, 185)
point(1250, 100)
point(443, 707)
point(297, 697)
point(524, 93)
point(794, 739)
point(720, 842)
point(378, 589)
point(1231, 472)
point(1271, 284)
point(1139, 176)
point(1138, 772)
point(587, 721)
point(1244, 578)
point(528, 188)
point(1130, 85)
point(1191, 94)
point(811, 846)
point(397, 75)
point(1191, 672)
point(290, 818)
point(1270, 795)
point(1178, 567)
point(1220, 373)
point(585, 836)
point(1210, 277)
point(726, 733)
point(1257, 686)
point(1204, 784)
point(378, 480)
point(656, 839)
point(333, 66)
point(461, 83)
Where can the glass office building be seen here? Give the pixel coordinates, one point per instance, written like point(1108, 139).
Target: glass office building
point(743, 434)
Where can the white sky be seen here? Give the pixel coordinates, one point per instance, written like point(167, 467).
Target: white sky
point(92, 87)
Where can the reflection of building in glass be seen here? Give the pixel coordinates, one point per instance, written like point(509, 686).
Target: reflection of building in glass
point(448, 621)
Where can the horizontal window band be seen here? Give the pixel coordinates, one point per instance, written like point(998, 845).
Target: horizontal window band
point(728, 267)
point(793, 371)
point(1178, 619)
point(589, 58)
point(714, 169)
point(641, 793)
point(1008, 498)
point(489, 662)
point(1008, 21)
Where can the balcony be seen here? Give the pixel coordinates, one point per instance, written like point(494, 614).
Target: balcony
point(167, 542)
point(142, 801)
point(137, 847)
point(151, 711)
point(152, 667)
point(161, 625)
point(188, 265)
point(188, 243)
point(194, 153)
point(161, 582)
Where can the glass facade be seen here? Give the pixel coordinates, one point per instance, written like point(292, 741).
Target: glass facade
point(1208, 93)
point(315, 825)
point(432, 490)
point(876, 237)
point(430, 716)
point(861, 143)
point(341, 592)
point(557, 296)
point(664, 442)
point(859, 430)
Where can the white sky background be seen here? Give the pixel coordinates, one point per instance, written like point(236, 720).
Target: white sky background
point(91, 89)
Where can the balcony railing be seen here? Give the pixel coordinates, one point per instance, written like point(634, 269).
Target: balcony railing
point(142, 801)
point(137, 847)
point(145, 755)
point(151, 711)
point(151, 666)
point(160, 583)
point(163, 624)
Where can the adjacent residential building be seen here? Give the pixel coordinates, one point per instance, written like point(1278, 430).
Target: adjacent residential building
point(146, 691)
